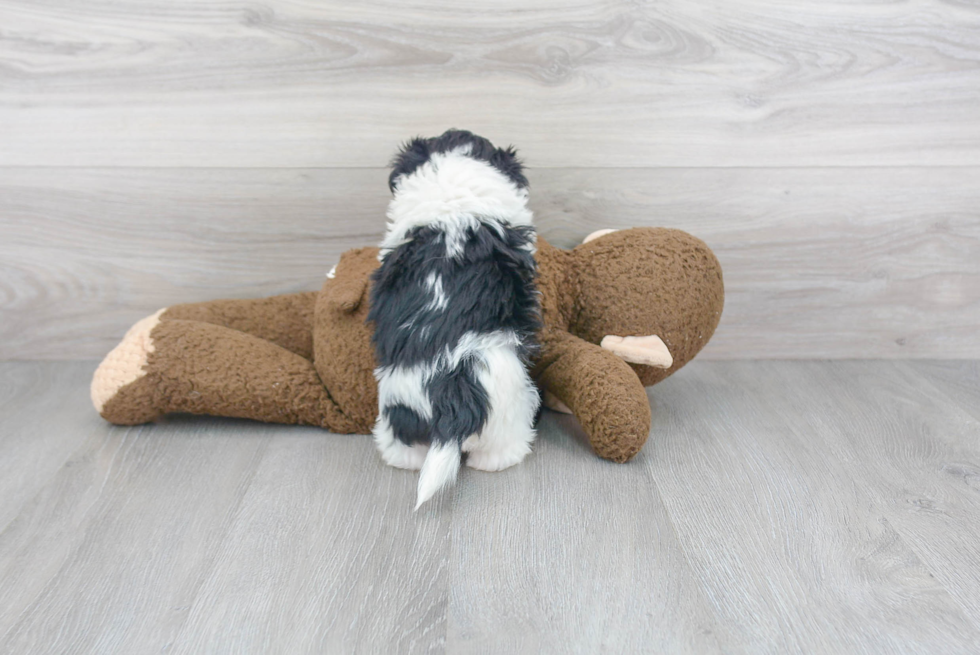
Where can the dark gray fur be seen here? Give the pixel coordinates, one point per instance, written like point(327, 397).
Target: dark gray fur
point(490, 287)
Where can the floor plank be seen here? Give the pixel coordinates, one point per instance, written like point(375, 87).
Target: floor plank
point(915, 451)
point(818, 262)
point(610, 83)
point(326, 556)
point(45, 417)
point(567, 553)
point(958, 379)
point(108, 557)
point(794, 551)
point(816, 507)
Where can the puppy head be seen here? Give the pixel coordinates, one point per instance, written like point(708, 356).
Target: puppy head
point(418, 151)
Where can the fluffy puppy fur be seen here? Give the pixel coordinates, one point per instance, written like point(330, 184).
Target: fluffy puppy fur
point(455, 311)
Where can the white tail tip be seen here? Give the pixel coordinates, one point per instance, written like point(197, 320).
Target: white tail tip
point(439, 469)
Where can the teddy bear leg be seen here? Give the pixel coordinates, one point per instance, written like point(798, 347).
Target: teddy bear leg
point(202, 368)
point(285, 320)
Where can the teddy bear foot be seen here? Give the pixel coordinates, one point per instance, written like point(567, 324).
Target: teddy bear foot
point(122, 367)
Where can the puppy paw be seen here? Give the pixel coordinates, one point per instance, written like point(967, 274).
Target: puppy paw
point(125, 363)
point(401, 456)
point(497, 459)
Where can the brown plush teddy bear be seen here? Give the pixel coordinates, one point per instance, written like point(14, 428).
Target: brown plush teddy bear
point(623, 310)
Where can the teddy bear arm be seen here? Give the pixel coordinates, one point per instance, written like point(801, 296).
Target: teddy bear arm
point(285, 320)
point(603, 393)
point(343, 351)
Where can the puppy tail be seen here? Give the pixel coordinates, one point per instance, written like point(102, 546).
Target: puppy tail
point(439, 469)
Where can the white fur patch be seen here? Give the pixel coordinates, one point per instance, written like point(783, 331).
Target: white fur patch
point(433, 283)
point(405, 385)
point(507, 436)
point(440, 468)
point(453, 192)
point(394, 452)
point(473, 344)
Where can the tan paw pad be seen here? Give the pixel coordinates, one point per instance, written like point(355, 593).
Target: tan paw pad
point(598, 233)
point(125, 363)
point(649, 350)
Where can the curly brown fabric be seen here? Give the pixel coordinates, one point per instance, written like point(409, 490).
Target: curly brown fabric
point(307, 358)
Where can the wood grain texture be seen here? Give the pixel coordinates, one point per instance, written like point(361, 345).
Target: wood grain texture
point(819, 263)
point(88, 252)
point(791, 507)
point(35, 445)
point(286, 83)
point(326, 556)
point(570, 554)
point(797, 548)
point(959, 380)
point(917, 452)
point(109, 555)
point(244, 553)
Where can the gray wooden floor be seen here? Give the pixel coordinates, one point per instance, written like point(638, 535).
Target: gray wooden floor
point(779, 507)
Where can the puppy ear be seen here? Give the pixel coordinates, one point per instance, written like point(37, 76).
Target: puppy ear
point(413, 154)
point(505, 160)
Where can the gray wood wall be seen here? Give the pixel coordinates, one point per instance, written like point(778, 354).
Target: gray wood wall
point(158, 152)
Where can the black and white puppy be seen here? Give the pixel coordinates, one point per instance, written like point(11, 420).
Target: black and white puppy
point(455, 311)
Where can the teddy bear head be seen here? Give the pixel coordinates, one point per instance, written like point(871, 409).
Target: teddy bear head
point(646, 282)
